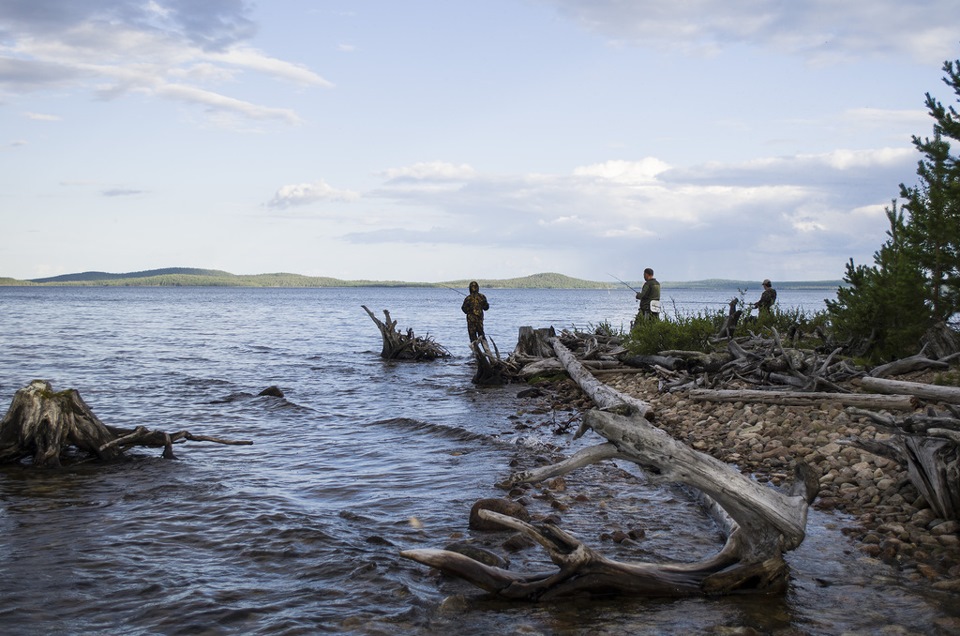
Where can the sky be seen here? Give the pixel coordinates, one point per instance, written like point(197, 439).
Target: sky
point(432, 140)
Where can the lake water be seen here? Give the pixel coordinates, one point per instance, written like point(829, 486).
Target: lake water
point(300, 532)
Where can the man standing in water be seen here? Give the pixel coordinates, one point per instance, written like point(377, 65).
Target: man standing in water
point(649, 297)
point(474, 305)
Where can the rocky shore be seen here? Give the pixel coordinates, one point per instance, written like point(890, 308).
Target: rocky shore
point(893, 523)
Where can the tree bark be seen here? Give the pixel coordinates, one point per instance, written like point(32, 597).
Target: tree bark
point(602, 395)
point(948, 394)
point(918, 362)
point(44, 424)
point(761, 523)
point(797, 398)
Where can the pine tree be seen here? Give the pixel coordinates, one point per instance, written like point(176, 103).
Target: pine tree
point(882, 313)
point(933, 229)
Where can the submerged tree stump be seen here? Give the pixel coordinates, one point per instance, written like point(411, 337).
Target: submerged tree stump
point(45, 425)
point(404, 346)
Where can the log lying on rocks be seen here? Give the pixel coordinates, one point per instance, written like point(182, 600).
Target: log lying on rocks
point(948, 394)
point(760, 522)
point(798, 398)
point(602, 395)
point(928, 446)
point(45, 425)
point(404, 346)
point(918, 362)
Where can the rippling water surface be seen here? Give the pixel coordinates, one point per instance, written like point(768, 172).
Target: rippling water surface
point(300, 532)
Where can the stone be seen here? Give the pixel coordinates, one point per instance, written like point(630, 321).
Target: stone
point(503, 506)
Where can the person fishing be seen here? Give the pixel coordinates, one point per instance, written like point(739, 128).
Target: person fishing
point(649, 297)
point(767, 298)
point(473, 306)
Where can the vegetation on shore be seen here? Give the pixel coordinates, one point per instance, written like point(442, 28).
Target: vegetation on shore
point(193, 277)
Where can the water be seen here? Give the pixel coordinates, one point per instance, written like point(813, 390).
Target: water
point(300, 532)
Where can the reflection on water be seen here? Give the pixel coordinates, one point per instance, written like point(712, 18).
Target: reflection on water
point(300, 533)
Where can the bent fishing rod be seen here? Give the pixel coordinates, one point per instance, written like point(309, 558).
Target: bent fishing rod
point(624, 282)
point(452, 289)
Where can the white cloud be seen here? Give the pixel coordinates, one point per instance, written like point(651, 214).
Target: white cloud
point(307, 193)
point(191, 52)
point(41, 117)
point(431, 171)
point(820, 30)
point(629, 172)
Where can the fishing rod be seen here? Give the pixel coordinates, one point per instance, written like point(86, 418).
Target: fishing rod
point(624, 282)
point(452, 288)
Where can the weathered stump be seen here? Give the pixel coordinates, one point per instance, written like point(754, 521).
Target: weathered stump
point(45, 425)
point(404, 346)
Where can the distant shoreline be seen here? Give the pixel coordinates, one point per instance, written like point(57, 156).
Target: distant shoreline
point(190, 277)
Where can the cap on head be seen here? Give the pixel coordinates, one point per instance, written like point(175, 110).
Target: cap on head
point(766, 282)
point(648, 271)
point(474, 287)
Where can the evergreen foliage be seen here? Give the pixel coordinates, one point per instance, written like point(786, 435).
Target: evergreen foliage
point(885, 309)
point(883, 314)
point(933, 232)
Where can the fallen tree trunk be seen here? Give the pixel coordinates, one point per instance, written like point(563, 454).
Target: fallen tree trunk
point(948, 394)
point(797, 398)
point(404, 346)
point(44, 425)
point(602, 395)
point(761, 523)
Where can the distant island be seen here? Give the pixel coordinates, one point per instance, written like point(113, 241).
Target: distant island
point(193, 277)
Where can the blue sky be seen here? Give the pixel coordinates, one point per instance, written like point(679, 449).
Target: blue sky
point(431, 141)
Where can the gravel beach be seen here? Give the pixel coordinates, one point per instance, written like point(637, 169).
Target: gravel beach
point(893, 523)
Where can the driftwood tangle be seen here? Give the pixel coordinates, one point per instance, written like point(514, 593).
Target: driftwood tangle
point(760, 522)
point(927, 443)
point(44, 425)
point(404, 346)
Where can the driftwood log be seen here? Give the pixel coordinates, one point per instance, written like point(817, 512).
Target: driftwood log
point(931, 455)
point(800, 398)
point(404, 346)
point(46, 426)
point(935, 392)
point(760, 522)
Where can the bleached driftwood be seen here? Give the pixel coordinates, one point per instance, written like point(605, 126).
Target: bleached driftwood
point(761, 523)
point(918, 362)
point(798, 398)
point(602, 395)
point(45, 425)
point(948, 394)
point(928, 446)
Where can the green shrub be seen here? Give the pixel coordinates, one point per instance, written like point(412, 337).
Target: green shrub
point(690, 332)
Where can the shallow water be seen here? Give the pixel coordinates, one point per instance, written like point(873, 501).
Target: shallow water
point(300, 532)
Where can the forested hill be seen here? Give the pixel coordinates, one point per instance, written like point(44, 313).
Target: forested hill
point(194, 277)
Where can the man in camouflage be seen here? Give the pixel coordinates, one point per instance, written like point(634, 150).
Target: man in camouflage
point(767, 298)
point(474, 305)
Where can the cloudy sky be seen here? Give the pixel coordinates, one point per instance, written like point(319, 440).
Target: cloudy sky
point(434, 140)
